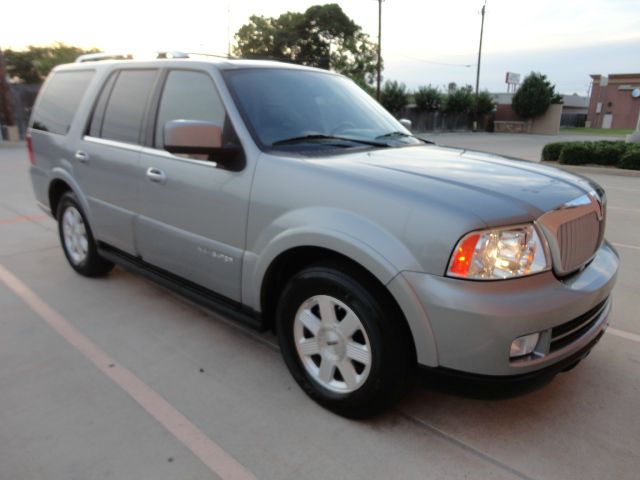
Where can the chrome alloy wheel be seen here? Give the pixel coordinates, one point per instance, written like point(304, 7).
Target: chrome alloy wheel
point(332, 344)
point(75, 237)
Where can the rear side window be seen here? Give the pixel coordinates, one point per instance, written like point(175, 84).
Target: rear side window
point(125, 109)
point(60, 100)
point(188, 95)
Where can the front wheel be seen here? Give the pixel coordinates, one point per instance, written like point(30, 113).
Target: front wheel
point(343, 340)
point(77, 240)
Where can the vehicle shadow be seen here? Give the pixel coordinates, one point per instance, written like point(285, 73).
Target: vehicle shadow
point(476, 388)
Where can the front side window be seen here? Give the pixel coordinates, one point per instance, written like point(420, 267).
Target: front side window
point(60, 100)
point(188, 95)
point(124, 113)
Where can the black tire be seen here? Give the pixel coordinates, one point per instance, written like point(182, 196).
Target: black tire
point(92, 265)
point(391, 350)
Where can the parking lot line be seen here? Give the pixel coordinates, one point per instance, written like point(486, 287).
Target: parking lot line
point(209, 452)
point(624, 245)
point(625, 209)
point(22, 218)
point(622, 334)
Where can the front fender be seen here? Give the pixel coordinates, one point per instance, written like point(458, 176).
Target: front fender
point(357, 238)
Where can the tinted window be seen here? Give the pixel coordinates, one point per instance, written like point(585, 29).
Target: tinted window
point(188, 96)
point(125, 111)
point(281, 104)
point(60, 100)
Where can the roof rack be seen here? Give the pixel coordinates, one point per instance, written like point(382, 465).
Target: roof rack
point(94, 57)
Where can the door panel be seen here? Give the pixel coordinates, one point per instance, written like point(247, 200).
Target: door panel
point(109, 178)
point(193, 214)
point(193, 224)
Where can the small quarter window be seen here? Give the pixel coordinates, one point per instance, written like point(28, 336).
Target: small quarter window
point(60, 100)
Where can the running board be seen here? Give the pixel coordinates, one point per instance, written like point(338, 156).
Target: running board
point(197, 294)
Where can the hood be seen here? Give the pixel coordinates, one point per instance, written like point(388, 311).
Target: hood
point(494, 188)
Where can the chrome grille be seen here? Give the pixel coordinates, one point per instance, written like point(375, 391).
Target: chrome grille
point(574, 232)
point(578, 240)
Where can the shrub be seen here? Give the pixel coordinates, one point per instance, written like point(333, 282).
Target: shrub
point(551, 151)
point(428, 99)
point(631, 159)
point(394, 96)
point(576, 153)
point(485, 103)
point(608, 152)
point(459, 100)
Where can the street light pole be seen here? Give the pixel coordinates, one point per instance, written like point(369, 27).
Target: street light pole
point(475, 122)
point(379, 65)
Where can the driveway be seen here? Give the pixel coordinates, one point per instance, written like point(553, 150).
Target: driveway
point(117, 378)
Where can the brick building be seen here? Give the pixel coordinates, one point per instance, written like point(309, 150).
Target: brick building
point(612, 104)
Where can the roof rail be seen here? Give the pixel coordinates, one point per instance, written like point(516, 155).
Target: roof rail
point(94, 57)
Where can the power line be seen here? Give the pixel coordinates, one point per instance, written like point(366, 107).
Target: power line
point(434, 62)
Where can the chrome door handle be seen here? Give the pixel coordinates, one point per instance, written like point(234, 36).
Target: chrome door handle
point(156, 175)
point(82, 157)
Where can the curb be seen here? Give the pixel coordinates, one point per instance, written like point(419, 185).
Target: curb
point(618, 172)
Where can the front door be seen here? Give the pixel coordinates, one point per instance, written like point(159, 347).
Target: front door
point(607, 120)
point(193, 212)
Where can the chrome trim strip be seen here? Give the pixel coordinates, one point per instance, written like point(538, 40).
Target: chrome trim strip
point(113, 143)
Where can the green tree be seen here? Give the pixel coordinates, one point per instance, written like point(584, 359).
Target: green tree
point(323, 36)
point(534, 96)
point(34, 64)
point(394, 96)
point(428, 99)
point(485, 103)
point(459, 99)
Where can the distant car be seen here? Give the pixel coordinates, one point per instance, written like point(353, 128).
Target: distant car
point(287, 198)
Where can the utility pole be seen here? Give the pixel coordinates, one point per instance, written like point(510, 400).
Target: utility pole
point(379, 65)
point(475, 122)
point(5, 98)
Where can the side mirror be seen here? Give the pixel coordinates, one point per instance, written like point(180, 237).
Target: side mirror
point(197, 137)
point(192, 136)
point(405, 122)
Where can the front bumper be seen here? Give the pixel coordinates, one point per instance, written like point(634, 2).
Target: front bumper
point(473, 322)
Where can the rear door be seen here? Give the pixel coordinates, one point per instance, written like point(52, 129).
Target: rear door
point(108, 157)
point(193, 210)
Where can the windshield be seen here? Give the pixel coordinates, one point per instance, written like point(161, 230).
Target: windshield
point(287, 108)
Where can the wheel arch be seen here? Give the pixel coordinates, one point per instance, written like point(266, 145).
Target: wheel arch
point(266, 275)
point(62, 182)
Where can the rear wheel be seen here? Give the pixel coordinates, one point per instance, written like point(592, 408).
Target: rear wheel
point(343, 340)
point(77, 240)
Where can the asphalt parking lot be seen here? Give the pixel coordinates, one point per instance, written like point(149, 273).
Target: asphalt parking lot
point(116, 378)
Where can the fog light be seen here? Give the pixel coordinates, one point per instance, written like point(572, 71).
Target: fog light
point(524, 345)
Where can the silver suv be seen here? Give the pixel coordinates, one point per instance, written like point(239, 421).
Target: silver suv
point(287, 198)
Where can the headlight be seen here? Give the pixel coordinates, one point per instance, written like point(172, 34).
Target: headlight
point(499, 253)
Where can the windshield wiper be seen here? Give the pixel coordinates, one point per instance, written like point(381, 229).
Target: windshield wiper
point(399, 133)
point(314, 137)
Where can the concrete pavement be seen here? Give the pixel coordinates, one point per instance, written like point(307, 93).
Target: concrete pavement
point(62, 417)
